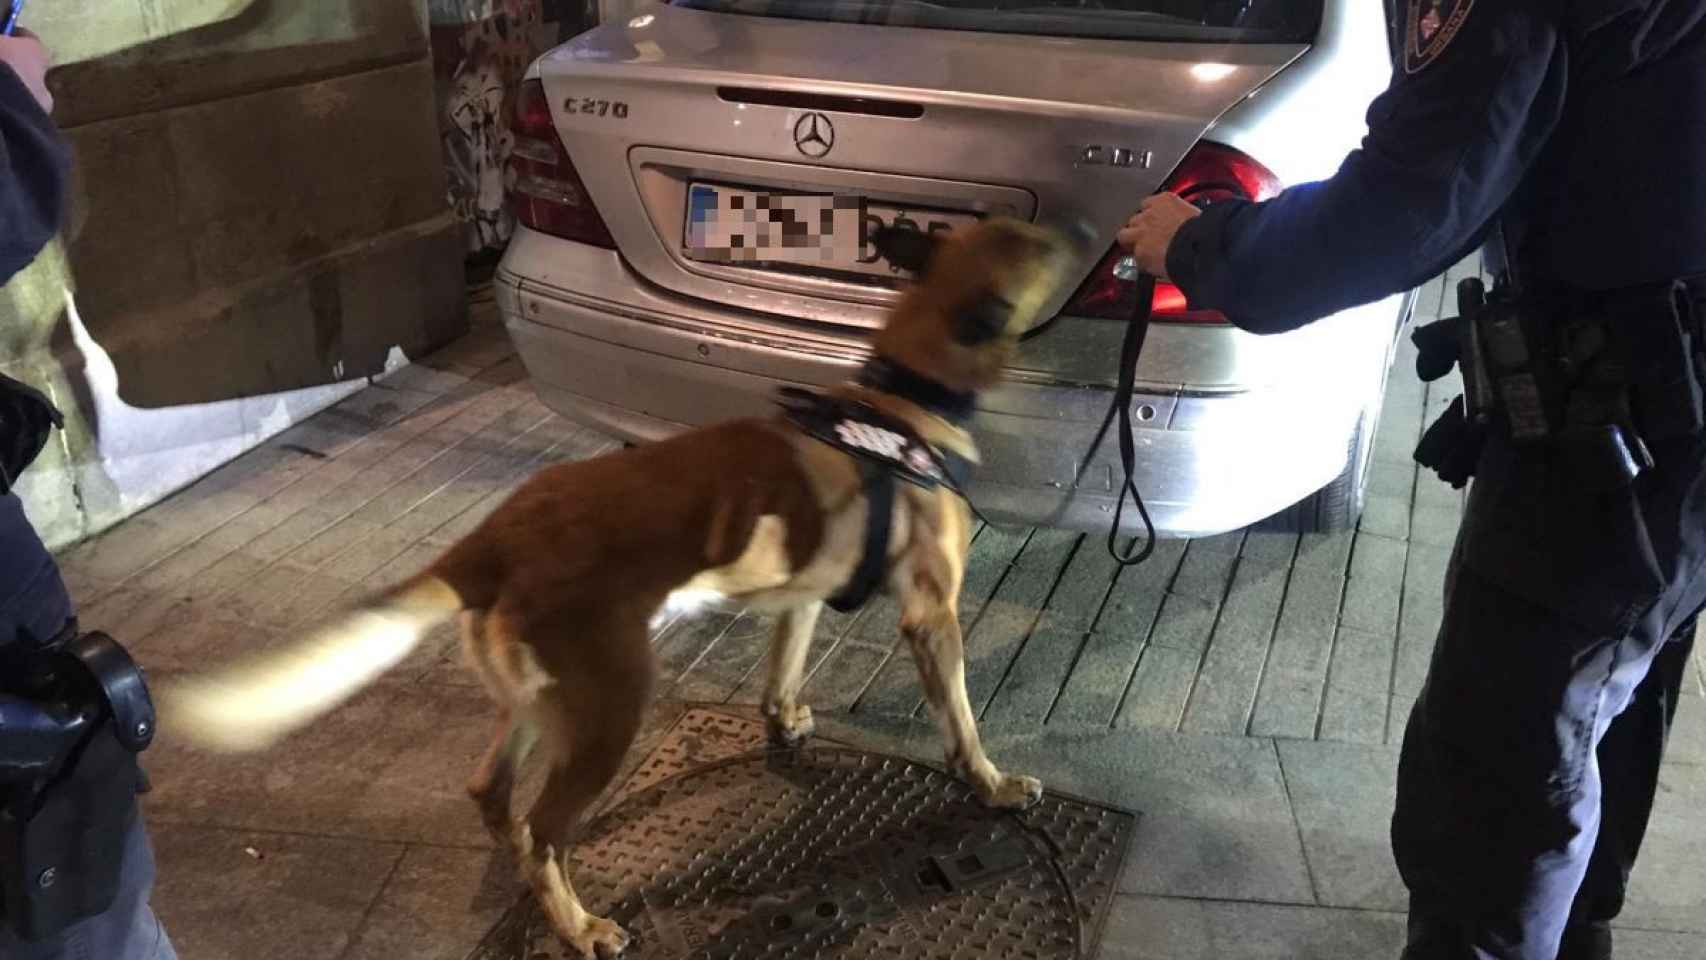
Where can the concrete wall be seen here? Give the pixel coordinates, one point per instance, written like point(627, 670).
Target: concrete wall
point(259, 222)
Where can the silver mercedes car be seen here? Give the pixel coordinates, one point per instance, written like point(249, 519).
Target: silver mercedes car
point(638, 143)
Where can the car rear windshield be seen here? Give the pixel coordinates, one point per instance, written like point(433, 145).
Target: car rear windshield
point(1205, 21)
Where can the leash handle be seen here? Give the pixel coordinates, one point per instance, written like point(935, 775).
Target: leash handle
point(1143, 311)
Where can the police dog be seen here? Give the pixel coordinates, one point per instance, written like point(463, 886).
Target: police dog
point(556, 589)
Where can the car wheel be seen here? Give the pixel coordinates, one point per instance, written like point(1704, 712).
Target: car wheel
point(1338, 505)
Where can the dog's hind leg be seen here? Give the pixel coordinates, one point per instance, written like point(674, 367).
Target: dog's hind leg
point(493, 783)
point(587, 721)
point(790, 721)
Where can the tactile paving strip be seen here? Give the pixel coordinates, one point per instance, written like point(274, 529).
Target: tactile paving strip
point(719, 847)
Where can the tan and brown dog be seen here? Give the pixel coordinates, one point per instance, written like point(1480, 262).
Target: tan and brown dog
point(557, 587)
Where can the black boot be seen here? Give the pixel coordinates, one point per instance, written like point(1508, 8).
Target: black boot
point(1588, 941)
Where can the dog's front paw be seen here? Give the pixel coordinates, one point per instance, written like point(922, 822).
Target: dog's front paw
point(1014, 793)
point(600, 939)
point(790, 726)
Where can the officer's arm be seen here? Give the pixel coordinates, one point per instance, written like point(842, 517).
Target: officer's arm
point(33, 171)
point(1447, 144)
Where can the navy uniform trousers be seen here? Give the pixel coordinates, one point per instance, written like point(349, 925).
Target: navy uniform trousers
point(1532, 757)
point(33, 598)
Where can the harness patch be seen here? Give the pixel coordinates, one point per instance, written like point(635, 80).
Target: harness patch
point(1431, 27)
point(866, 433)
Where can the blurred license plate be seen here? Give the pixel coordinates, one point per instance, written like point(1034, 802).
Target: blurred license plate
point(817, 231)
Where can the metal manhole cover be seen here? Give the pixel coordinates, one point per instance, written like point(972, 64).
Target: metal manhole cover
point(720, 848)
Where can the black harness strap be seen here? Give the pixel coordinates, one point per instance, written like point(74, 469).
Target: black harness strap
point(878, 483)
point(887, 450)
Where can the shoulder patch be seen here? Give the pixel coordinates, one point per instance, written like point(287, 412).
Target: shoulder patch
point(1430, 28)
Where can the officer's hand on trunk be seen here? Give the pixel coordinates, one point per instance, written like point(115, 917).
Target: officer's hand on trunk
point(1149, 232)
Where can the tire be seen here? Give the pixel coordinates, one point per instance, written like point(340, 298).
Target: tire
point(1338, 505)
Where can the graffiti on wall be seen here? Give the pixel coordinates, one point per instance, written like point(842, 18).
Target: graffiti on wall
point(481, 48)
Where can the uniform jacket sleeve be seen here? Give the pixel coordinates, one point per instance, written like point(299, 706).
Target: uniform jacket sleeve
point(34, 163)
point(1447, 144)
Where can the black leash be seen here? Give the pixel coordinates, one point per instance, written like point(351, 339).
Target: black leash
point(1143, 311)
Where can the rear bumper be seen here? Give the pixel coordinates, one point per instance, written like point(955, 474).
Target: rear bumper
point(650, 365)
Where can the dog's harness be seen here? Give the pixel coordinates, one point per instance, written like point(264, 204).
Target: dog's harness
point(885, 449)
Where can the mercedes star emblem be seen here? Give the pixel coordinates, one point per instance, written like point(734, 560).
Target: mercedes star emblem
point(814, 135)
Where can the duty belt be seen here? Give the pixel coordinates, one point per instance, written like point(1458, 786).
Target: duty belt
point(1595, 377)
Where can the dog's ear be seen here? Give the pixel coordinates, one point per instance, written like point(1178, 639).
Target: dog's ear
point(982, 320)
point(908, 249)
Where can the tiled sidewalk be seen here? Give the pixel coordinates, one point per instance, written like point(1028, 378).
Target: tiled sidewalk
point(1243, 691)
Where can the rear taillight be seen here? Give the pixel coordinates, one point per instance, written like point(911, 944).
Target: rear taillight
point(1208, 173)
point(545, 192)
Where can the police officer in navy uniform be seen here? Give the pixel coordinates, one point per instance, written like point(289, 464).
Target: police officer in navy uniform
point(1566, 139)
point(88, 896)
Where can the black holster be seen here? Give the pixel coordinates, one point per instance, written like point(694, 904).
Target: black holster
point(74, 715)
point(1588, 381)
point(27, 419)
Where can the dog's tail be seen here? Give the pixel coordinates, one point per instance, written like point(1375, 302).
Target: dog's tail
point(250, 706)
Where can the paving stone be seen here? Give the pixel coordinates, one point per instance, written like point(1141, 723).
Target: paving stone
point(121, 552)
point(336, 536)
point(1154, 928)
point(382, 404)
point(1083, 588)
point(1031, 687)
point(1289, 698)
point(1375, 584)
point(410, 562)
point(686, 641)
point(1687, 744)
point(417, 487)
point(1343, 795)
point(1005, 623)
point(1358, 687)
point(1401, 424)
point(83, 587)
point(1658, 945)
point(302, 896)
point(843, 676)
point(736, 652)
point(1398, 718)
point(264, 590)
point(1419, 620)
point(423, 379)
point(1160, 687)
point(437, 905)
point(1216, 822)
point(1435, 526)
point(199, 639)
point(1667, 890)
point(244, 529)
point(294, 532)
point(304, 601)
point(1386, 517)
point(180, 566)
point(390, 764)
point(1225, 690)
point(130, 613)
point(1207, 570)
point(314, 490)
point(827, 635)
point(371, 550)
point(1098, 682)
